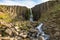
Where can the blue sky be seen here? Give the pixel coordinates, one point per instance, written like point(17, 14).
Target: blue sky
point(27, 3)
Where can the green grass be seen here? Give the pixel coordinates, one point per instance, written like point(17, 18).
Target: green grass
point(5, 17)
point(51, 13)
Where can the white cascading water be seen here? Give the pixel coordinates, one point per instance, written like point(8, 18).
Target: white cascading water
point(31, 15)
point(41, 32)
point(39, 28)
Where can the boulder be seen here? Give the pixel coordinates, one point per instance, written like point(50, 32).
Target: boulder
point(8, 31)
point(23, 35)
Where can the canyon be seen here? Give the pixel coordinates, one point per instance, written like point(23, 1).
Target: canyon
point(19, 25)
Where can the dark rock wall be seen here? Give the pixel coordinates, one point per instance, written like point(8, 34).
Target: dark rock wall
point(42, 8)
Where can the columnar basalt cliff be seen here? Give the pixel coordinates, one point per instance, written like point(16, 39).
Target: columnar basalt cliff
point(42, 8)
point(18, 12)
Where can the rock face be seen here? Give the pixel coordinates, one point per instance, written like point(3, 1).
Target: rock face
point(48, 13)
point(42, 8)
point(18, 12)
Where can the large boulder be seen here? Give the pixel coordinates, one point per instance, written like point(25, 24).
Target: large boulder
point(9, 31)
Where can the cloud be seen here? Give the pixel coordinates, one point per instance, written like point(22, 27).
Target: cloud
point(44, 0)
point(27, 3)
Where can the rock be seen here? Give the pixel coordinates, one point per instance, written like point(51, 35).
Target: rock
point(17, 28)
point(17, 38)
point(57, 34)
point(33, 30)
point(57, 29)
point(14, 31)
point(6, 24)
point(0, 35)
point(23, 35)
point(12, 39)
point(32, 33)
point(8, 31)
point(41, 38)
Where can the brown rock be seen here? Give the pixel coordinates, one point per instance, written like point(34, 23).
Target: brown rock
point(57, 34)
point(8, 31)
point(33, 30)
point(23, 35)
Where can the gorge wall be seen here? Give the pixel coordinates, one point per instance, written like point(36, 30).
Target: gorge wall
point(17, 12)
point(42, 8)
point(48, 13)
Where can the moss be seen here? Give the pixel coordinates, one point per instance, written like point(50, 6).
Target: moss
point(5, 17)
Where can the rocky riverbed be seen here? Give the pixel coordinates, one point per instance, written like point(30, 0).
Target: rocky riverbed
point(18, 30)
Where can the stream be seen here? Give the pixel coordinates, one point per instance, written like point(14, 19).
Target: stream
point(40, 32)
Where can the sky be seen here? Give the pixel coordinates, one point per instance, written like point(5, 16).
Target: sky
point(27, 3)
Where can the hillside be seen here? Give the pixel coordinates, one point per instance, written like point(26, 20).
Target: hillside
point(50, 16)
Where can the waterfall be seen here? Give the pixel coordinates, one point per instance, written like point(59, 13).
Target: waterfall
point(41, 32)
point(39, 28)
point(31, 15)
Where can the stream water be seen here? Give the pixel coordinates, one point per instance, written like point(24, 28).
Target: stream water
point(31, 16)
point(41, 32)
point(39, 28)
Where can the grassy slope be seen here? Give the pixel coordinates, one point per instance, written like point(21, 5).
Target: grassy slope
point(51, 14)
point(52, 22)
